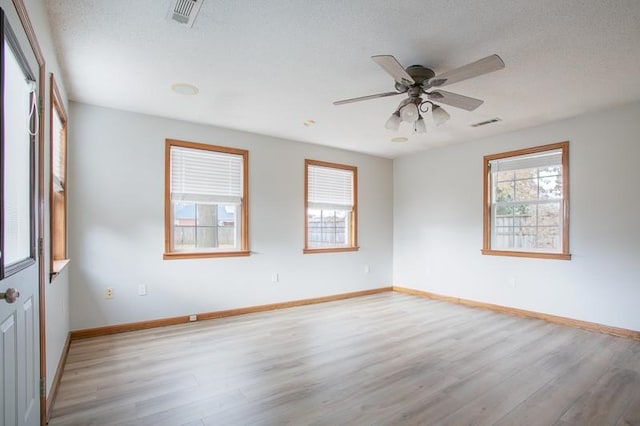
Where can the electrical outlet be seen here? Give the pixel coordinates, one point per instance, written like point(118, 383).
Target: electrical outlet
point(108, 293)
point(142, 290)
point(193, 318)
point(274, 277)
point(367, 269)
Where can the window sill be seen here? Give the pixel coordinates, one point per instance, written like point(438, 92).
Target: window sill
point(206, 255)
point(56, 267)
point(531, 254)
point(329, 250)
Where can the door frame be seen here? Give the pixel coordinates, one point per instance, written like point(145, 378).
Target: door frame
point(42, 81)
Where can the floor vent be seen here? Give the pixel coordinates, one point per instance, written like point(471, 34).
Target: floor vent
point(484, 123)
point(184, 11)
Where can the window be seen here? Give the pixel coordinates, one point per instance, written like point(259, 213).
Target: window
point(526, 210)
point(330, 207)
point(206, 205)
point(17, 144)
point(58, 181)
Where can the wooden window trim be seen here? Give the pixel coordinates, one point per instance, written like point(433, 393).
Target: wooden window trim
point(354, 212)
point(486, 243)
point(244, 213)
point(58, 259)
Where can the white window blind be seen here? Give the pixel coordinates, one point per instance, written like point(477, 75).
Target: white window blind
point(17, 161)
point(57, 154)
point(329, 188)
point(541, 159)
point(206, 176)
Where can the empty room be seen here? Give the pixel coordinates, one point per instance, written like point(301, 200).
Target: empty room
point(320, 212)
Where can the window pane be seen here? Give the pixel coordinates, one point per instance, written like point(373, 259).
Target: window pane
point(184, 220)
point(527, 219)
point(551, 187)
point(522, 210)
point(506, 176)
point(16, 161)
point(504, 191)
point(527, 189)
point(327, 228)
point(526, 173)
point(206, 222)
point(549, 214)
point(549, 171)
point(227, 223)
point(503, 237)
point(548, 238)
point(524, 238)
point(206, 237)
point(502, 210)
point(204, 226)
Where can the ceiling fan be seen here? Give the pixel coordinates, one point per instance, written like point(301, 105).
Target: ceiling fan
point(418, 80)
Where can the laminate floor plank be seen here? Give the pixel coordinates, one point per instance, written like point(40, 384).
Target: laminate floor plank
point(606, 401)
point(631, 415)
point(493, 404)
point(382, 359)
point(552, 400)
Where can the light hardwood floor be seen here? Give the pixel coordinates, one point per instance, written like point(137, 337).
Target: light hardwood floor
point(384, 359)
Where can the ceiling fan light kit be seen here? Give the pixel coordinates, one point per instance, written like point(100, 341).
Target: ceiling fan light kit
point(440, 116)
point(417, 80)
point(393, 123)
point(409, 113)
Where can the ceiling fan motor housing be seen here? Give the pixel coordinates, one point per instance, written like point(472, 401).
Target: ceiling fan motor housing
point(420, 74)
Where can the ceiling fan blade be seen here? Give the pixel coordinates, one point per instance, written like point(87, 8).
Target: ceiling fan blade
point(455, 100)
point(393, 67)
point(366, 98)
point(483, 66)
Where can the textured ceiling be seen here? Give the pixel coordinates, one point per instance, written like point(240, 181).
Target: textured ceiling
point(267, 66)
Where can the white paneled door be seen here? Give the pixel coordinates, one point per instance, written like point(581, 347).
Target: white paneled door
point(19, 372)
point(19, 297)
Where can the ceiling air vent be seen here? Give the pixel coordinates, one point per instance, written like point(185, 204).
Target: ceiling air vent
point(184, 11)
point(484, 123)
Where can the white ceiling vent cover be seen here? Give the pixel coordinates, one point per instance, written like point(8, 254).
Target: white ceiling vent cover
point(184, 12)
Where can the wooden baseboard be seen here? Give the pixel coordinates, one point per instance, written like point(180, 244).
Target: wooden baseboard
point(51, 396)
point(592, 326)
point(121, 328)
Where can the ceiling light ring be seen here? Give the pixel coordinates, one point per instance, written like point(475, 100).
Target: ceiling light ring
point(185, 89)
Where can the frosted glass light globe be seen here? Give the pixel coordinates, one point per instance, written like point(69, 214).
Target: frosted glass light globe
point(409, 113)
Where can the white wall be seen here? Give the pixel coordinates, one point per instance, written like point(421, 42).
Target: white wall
point(56, 292)
point(116, 208)
point(438, 224)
